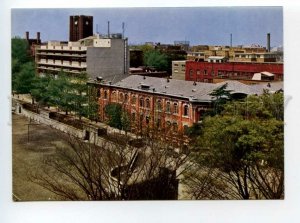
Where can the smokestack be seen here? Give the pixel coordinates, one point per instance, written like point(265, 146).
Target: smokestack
point(38, 37)
point(268, 42)
point(230, 39)
point(123, 29)
point(108, 34)
point(27, 35)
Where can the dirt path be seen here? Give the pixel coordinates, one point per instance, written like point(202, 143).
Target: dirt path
point(29, 155)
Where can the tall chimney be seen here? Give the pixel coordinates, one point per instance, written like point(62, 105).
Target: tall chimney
point(268, 42)
point(108, 34)
point(230, 39)
point(38, 37)
point(27, 35)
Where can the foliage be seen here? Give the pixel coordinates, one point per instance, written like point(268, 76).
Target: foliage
point(22, 64)
point(156, 59)
point(114, 113)
point(243, 148)
point(24, 80)
point(220, 97)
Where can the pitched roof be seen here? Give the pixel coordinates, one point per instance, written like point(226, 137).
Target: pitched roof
point(194, 91)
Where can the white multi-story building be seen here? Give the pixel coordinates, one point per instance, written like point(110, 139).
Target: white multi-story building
point(95, 55)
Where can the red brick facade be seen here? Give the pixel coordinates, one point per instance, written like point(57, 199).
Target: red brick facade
point(207, 71)
point(153, 110)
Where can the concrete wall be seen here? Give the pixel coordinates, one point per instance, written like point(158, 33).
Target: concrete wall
point(108, 61)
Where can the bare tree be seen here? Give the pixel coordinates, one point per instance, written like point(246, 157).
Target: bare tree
point(125, 169)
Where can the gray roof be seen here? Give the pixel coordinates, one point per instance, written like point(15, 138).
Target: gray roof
point(194, 91)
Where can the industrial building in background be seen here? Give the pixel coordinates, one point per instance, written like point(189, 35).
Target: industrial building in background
point(105, 56)
point(81, 26)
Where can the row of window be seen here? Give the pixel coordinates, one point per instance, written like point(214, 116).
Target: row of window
point(145, 103)
point(158, 123)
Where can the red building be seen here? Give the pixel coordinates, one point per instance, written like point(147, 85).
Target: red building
point(163, 103)
point(207, 71)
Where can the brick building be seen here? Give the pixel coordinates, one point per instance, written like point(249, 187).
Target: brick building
point(163, 103)
point(81, 26)
point(33, 42)
point(207, 71)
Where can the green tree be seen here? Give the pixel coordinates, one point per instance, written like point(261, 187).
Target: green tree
point(242, 150)
point(156, 59)
point(220, 97)
point(24, 80)
point(20, 56)
point(114, 113)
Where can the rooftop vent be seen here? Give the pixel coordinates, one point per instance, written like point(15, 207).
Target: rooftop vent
point(168, 80)
point(193, 90)
point(144, 77)
point(194, 83)
point(99, 78)
point(145, 87)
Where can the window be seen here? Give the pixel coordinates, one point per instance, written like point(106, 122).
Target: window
point(175, 127)
point(191, 73)
point(126, 98)
point(98, 93)
point(186, 110)
point(141, 102)
point(168, 107)
point(121, 97)
point(105, 94)
point(147, 120)
point(133, 117)
point(158, 123)
point(205, 72)
point(133, 100)
point(147, 103)
point(114, 96)
point(158, 105)
point(175, 108)
point(198, 72)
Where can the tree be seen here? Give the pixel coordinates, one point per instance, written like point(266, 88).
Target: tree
point(126, 169)
point(114, 112)
point(156, 59)
point(24, 81)
point(240, 151)
point(20, 57)
point(220, 97)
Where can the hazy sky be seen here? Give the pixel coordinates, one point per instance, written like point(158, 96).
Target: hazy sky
point(207, 25)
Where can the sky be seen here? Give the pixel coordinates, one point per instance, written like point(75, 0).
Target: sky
point(199, 25)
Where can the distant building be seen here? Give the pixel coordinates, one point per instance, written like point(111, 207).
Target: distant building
point(33, 42)
point(207, 71)
point(178, 69)
point(165, 103)
point(95, 55)
point(81, 26)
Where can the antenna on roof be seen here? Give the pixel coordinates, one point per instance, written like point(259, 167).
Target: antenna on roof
point(108, 34)
point(123, 29)
point(97, 29)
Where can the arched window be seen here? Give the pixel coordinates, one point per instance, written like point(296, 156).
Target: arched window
point(126, 98)
point(121, 97)
point(141, 102)
point(175, 108)
point(147, 103)
point(168, 107)
point(158, 105)
point(133, 100)
point(113, 96)
point(175, 127)
point(186, 110)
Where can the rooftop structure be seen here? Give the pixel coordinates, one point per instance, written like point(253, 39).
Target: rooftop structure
point(95, 55)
